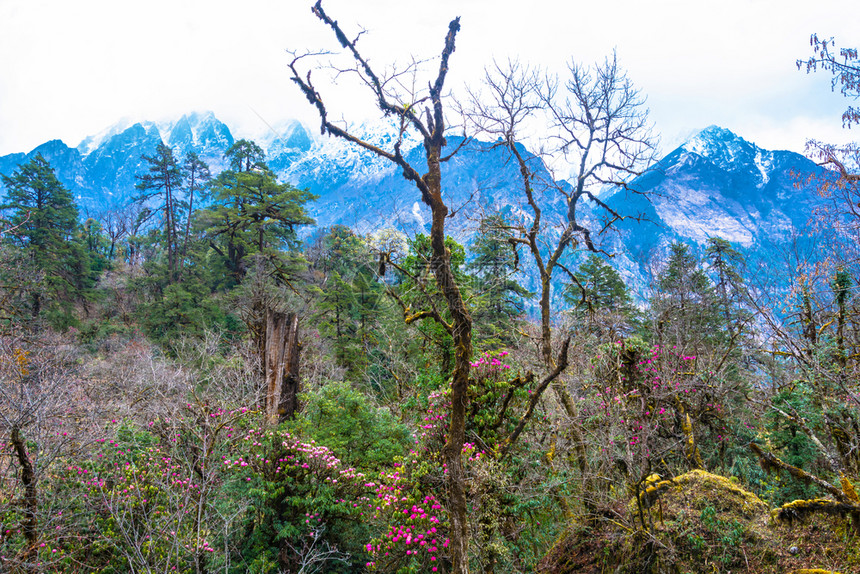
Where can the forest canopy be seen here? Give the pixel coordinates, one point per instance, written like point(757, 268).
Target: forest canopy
point(203, 381)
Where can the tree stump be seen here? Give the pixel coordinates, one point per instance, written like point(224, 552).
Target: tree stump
point(282, 365)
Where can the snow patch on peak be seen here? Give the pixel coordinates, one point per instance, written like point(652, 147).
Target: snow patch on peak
point(336, 159)
point(763, 161)
point(91, 143)
point(723, 148)
point(197, 127)
point(268, 133)
point(416, 213)
point(714, 139)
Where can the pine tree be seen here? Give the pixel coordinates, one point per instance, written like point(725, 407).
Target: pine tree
point(253, 214)
point(685, 306)
point(45, 220)
point(601, 300)
point(97, 245)
point(245, 155)
point(349, 307)
point(160, 190)
point(600, 288)
point(726, 265)
point(197, 176)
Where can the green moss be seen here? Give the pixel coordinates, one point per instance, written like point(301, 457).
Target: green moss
point(702, 485)
point(703, 522)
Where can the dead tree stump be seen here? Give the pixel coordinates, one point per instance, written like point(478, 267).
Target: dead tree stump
point(282, 365)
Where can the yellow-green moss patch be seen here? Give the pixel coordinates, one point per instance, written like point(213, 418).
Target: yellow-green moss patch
point(703, 522)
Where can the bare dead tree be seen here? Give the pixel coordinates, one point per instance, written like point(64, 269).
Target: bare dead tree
point(43, 419)
point(595, 120)
point(420, 112)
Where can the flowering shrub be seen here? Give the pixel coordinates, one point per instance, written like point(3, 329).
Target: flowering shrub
point(496, 397)
point(650, 404)
point(406, 502)
point(306, 502)
point(409, 501)
point(150, 495)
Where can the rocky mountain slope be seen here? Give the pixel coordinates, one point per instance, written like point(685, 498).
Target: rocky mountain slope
point(714, 185)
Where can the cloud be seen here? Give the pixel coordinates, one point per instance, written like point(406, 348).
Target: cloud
point(69, 69)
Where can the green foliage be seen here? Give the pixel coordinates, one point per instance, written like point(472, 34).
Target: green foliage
point(788, 441)
point(359, 433)
point(685, 306)
point(601, 301)
point(351, 307)
point(97, 246)
point(161, 192)
point(304, 501)
point(497, 398)
point(184, 309)
point(497, 304)
point(45, 222)
point(600, 288)
point(253, 214)
point(245, 155)
point(417, 291)
point(726, 537)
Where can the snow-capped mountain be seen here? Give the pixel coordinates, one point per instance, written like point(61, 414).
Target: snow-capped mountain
point(742, 191)
point(714, 185)
point(102, 170)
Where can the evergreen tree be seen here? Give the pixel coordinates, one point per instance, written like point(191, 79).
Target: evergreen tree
point(197, 176)
point(726, 265)
point(254, 214)
point(498, 304)
point(348, 310)
point(338, 309)
point(245, 155)
point(685, 306)
point(600, 298)
point(418, 294)
point(45, 220)
point(160, 191)
point(600, 288)
point(97, 245)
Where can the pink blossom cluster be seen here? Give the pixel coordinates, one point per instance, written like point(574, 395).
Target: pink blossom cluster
point(645, 395)
point(414, 532)
point(490, 362)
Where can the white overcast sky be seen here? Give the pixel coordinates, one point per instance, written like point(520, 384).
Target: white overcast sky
point(71, 68)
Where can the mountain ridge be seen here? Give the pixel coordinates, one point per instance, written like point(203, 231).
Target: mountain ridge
point(716, 184)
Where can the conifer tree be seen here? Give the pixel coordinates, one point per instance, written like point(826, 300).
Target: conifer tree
point(245, 155)
point(600, 298)
point(160, 190)
point(499, 298)
point(727, 264)
point(600, 287)
point(197, 176)
point(685, 306)
point(253, 213)
point(348, 309)
point(46, 221)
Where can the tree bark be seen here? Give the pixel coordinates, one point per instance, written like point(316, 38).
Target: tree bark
point(432, 130)
point(31, 500)
point(288, 405)
point(281, 356)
